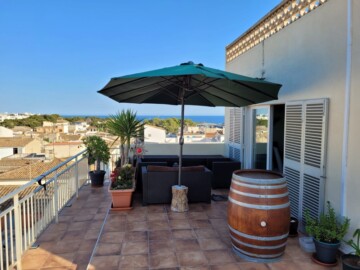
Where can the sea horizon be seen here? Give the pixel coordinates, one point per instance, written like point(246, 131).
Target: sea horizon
point(212, 119)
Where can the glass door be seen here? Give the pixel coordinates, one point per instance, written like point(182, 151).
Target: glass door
point(261, 156)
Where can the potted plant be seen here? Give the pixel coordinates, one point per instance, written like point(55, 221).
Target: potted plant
point(327, 231)
point(352, 261)
point(125, 126)
point(122, 186)
point(97, 151)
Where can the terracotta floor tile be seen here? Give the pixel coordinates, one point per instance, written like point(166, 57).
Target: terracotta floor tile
point(201, 223)
point(91, 234)
point(156, 208)
point(105, 262)
point(133, 261)
point(206, 233)
point(163, 260)
point(137, 226)
point(161, 246)
point(175, 215)
point(219, 257)
point(233, 266)
point(135, 248)
point(84, 217)
point(157, 216)
point(112, 237)
point(108, 249)
point(60, 260)
point(187, 245)
point(192, 258)
point(179, 224)
point(82, 257)
point(136, 236)
point(211, 244)
point(183, 234)
point(136, 217)
point(67, 247)
point(197, 215)
point(160, 235)
point(33, 262)
point(79, 225)
point(87, 246)
point(156, 225)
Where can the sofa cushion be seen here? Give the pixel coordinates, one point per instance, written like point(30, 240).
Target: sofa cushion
point(154, 168)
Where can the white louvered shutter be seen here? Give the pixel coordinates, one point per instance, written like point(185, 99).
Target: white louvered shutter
point(236, 133)
point(304, 155)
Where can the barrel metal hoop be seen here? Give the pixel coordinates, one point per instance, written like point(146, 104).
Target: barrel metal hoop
point(259, 187)
point(256, 246)
point(262, 196)
point(259, 238)
point(259, 181)
point(259, 206)
point(263, 256)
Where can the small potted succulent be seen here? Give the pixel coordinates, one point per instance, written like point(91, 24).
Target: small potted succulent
point(122, 186)
point(352, 261)
point(327, 231)
point(97, 151)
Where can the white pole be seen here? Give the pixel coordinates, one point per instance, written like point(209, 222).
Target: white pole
point(344, 161)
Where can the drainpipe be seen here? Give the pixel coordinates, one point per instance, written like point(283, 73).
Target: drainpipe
point(344, 162)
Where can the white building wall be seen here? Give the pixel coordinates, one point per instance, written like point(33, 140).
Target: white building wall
point(308, 57)
point(5, 152)
point(5, 132)
point(154, 134)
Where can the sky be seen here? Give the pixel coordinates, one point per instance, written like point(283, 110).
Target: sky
point(55, 55)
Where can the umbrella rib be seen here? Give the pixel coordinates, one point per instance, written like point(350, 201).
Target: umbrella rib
point(205, 83)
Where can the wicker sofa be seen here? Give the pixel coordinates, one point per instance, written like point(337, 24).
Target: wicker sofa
point(222, 167)
point(158, 180)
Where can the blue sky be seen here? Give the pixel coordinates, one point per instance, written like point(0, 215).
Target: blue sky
point(55, 55)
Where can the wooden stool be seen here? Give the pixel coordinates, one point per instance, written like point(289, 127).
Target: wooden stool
point(179, 202)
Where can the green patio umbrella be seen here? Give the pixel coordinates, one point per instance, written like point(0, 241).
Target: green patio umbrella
point(190, 84)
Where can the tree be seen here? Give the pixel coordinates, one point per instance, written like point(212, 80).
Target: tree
point(125, 126)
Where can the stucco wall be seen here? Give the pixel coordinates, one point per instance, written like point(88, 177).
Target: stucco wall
point(308, 58)
point(189, 149)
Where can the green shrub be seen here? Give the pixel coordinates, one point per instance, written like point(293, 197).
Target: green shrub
point(327, 228)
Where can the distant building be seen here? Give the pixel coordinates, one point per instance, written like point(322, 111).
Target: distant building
point(61, 126)
point(78, 126)
point(15, 145)
point(22, 131)
point(24, 174)
point(154, 134)
point(63, 149)
point(6, 132)
point(14, 116)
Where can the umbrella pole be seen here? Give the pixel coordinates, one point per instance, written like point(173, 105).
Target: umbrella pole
point(181, 141)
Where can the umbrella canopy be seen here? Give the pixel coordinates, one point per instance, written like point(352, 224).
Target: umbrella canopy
point(190, 84)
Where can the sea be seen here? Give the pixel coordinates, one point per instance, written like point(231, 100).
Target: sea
point(210, 119)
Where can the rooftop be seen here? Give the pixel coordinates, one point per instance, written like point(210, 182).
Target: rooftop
point(30, 171)
point(90, 235)
point(14, 141)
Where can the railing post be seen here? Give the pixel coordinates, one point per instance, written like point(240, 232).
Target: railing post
point(56, 198)
point(77, 177)
point(18, 236)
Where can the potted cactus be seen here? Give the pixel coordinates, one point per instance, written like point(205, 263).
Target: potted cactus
point(97, 151)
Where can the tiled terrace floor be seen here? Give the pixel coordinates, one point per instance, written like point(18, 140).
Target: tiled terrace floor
point(149, 237)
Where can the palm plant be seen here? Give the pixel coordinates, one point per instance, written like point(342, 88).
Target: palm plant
point(125, 126)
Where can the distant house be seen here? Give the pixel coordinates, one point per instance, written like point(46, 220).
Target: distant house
point(78, 126)
point(61, 126)
point(7, 164)
point(154, 134)
point(63, 149)
point(311, 132)
point(22, 130)
point(24, 174)
point(18, 145)
point(6, 132)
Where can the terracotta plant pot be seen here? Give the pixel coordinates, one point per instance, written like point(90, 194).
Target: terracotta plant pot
point(121, 198)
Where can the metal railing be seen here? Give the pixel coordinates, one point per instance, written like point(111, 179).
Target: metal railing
point(28, 215)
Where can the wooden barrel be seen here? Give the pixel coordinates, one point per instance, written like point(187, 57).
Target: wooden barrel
point(258, 214)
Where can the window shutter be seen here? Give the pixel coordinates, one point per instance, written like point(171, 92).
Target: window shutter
point(304, 156)
point(236, 133)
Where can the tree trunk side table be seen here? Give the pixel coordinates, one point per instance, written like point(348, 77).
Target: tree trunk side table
point(179, 202)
